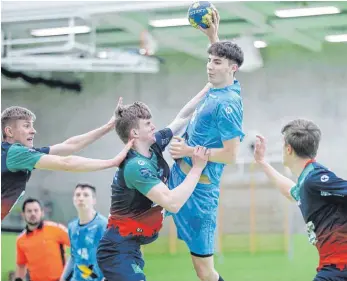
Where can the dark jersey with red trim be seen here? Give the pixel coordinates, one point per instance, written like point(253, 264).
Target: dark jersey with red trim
point(131, 211)
point(322, 198)
point(17, 162)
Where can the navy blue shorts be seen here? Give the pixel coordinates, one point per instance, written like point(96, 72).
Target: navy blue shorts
point(120, 258)
point(331, 273)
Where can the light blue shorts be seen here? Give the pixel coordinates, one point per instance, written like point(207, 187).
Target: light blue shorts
point(196, 221)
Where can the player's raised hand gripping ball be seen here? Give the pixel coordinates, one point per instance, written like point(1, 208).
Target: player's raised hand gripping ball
point(200, 14)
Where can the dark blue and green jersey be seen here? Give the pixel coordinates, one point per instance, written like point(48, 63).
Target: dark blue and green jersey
point(131, 211)
point(322, 199)
point(17, 162)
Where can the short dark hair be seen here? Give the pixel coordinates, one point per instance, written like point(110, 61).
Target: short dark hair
point(30, 200)
point(86, 185)
point(128, 117)
point(303, 136)
point(227, 49)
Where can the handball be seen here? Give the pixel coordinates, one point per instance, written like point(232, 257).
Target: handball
point(199, 14)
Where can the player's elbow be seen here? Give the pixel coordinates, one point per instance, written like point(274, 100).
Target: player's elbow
point(173, 209)
point(172, 206)
point(67, 164)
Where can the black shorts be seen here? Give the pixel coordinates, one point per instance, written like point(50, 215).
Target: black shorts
point(120, 258)
point(331, 273)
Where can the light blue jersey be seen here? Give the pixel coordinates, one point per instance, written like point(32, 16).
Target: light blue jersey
point(84, 242)
point(217, 118)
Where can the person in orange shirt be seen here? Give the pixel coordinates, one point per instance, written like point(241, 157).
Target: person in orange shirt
point(41, 245)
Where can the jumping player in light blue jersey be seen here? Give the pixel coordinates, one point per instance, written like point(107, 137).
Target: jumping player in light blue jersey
point(85, 233)
point(217, 125)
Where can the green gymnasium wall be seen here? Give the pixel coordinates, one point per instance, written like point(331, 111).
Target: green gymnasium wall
point(8, 253)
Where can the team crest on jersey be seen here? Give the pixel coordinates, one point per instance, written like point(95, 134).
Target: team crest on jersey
point(228, 110)
point(324, 178)
point(141, 162)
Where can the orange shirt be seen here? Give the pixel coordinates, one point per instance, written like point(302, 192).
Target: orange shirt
point(42, 251)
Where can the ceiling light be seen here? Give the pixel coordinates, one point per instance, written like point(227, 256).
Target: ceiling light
point(336, 38)
point(169, 22)
point(304, 12)
point(260, 44)
point(102, 55)
point(60, 31)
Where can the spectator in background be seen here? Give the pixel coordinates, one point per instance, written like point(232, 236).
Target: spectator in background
point(85, 232)
point(40, 248)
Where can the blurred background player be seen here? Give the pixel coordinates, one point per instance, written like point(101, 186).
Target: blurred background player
point(85, 233)
point(41, 246)
point(19, 157)
point(319, 193)
point(217, 125)
point(139, 191)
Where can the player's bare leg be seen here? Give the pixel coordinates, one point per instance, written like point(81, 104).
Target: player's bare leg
point(204, 268)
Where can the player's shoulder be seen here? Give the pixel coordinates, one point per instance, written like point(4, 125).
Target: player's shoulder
point(72, 224)
point(102, 220)
point(55, 225)
point(21, 236)
point(17, 147)
point(20, 148)
point(137, 162)
point(319, 173)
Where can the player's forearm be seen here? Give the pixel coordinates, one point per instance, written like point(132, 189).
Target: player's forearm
point(213, 39)
point(283, 183)
point(180, 194)
point(76, 164)
point(21, 271)
point(81, 164)
point(190, 106)
point(217, 155)
point(222, 155)
point(77, 143)
point(186, 112)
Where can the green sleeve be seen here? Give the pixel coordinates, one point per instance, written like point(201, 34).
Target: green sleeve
point(20, 157)
point(140, 175)
point(295, 191)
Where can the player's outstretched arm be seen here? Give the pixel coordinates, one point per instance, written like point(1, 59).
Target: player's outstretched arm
point(77, 143)
point(283, 183)
point(225, 155)
point(212, 31)
point(80, 164)
point(173, 200)
point(186, 112)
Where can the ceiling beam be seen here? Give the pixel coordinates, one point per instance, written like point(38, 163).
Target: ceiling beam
point(54, 9)
point(289, 33)
point(173, 42)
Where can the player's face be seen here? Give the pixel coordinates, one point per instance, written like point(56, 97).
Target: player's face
point(84, 199)
point(219, 70)
point(33, 214)
point(146, 131)
point(22, 131)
